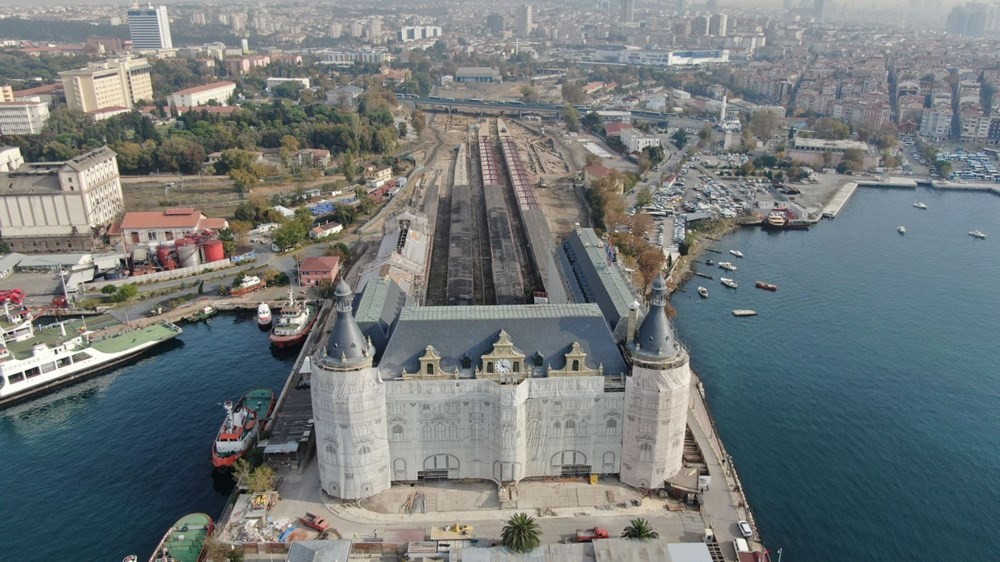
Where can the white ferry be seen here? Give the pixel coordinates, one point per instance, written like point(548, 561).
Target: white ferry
point(67, 352)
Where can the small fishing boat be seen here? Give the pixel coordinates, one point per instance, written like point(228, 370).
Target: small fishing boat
point(263, 314)
point(740, 312)
point(766, 286)
point(901, 229)
point(736, 253)
point(703, 292)
point(978, 234)
point(920, 205)
point(728, 282)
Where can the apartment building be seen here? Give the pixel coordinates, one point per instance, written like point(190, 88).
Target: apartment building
point(23, 117)
point(111, 83)
point(149, 28)
point(201, 95)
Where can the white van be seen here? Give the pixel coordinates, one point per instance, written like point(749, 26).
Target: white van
point(741, 545)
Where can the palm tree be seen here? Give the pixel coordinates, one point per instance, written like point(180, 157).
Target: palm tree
point(521, 533)
point(639, 529)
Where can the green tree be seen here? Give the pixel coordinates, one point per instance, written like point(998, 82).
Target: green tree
point(572, 118)
point(640, 529)
point(243, 179)
point(528, 94)
point(125, 292)
point(828, 128)
point(643, 197)
point(764, 123)
point(418, 121)
point(521, 533)
point(261, 479)
point(680, 138)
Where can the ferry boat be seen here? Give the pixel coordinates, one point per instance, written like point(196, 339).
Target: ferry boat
point(241, 428)
point(186, 540)
point(736, 253)
point(67, 352)
point(978, 234)
point(727, 266)
point(901, 229)
point(263, 314)
point(703, 292)
point(740, 312)
point(920, 205)
point(776, 219)
point(766, 286)
point(293, 324)
point(728, 282)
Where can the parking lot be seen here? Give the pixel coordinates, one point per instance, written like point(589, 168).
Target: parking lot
point(39, 287)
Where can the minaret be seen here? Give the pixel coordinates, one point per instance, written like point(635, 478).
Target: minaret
point(656, 399)
point(349, 411)
point(722, 116)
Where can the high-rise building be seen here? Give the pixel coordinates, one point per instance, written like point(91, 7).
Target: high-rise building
point(717, 25)
point(495, 23)
point(819, 6)
point(628, 11)
point(699, 26)
point(713, 6)
point(112, 83)
point(523, 24)
point(973, 19)
point(149, 28)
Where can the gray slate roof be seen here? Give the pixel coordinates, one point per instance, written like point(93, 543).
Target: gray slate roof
point(457, 331)
point(655, 337)
point(594, 278)
point(376, 308)
point(347, 346)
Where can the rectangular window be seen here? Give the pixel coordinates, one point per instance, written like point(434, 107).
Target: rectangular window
point(151, 235)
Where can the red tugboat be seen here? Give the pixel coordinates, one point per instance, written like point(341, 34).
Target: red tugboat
point(242, 426)
point(766, 286)
point(293, 323)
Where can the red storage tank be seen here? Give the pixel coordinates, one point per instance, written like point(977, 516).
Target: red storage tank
point(214, 251)
point(163, 254)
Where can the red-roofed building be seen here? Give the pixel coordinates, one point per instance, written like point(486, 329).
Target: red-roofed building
point(615, 128)
point(315, 269)
point(598, 172)
point(164, 227)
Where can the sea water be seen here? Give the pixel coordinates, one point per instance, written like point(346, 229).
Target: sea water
point(861, 405)
point(101, 469)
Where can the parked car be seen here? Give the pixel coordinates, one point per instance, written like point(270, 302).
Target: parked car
point(745, 529)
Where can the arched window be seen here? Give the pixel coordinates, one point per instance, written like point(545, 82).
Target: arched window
point(517, 366)
point(331, 449)
point(453, 432)
point(489, 366)
point(576, 364)
point(430, 368)
point(440, 432)
point(645, 452)
point(428, 433)
point(557, 428)
point(364, 453)
point(477, 430)
point(397, 433)
point(466, 363)
point(611, 427)
point(570, 427)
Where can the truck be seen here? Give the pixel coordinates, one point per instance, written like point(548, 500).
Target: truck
point(588, 535)
point(249, 284)
point(314, 522)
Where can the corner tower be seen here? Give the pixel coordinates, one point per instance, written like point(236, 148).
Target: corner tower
point(656, 399)
point(348, 399)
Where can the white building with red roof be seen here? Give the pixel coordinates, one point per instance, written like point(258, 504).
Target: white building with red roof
point(201, 95)
point(164, 227)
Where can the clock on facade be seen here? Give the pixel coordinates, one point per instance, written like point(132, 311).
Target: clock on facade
point(503, 366)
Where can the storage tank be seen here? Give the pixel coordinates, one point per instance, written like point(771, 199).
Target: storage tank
point(163, 255)
point(214, 251)
point(188, 254)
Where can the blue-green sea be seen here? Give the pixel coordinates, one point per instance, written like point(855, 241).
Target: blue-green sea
point(100, 470)
point(862, 405)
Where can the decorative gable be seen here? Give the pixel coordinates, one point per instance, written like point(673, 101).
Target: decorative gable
point(576, 364)
point(504, 363)
point(430, 368)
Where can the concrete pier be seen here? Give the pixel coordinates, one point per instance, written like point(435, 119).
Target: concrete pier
point(839, 199)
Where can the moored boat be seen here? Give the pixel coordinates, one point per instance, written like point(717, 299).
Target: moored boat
point(186, 540)
point(736, 253)
point(67, 352)
point(204, 313)
point(728, 266)
point(728, 282)
point(739, 312)
point(263, 314)
point(901, 229)
point(978, 234)
point(295, 320)
point(920, 205)
point(703, 292)
point(241, 428)
point(766, 286)
point(709, 262)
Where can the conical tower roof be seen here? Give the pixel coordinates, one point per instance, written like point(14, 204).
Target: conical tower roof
point(347, 346)
point(654, 340)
